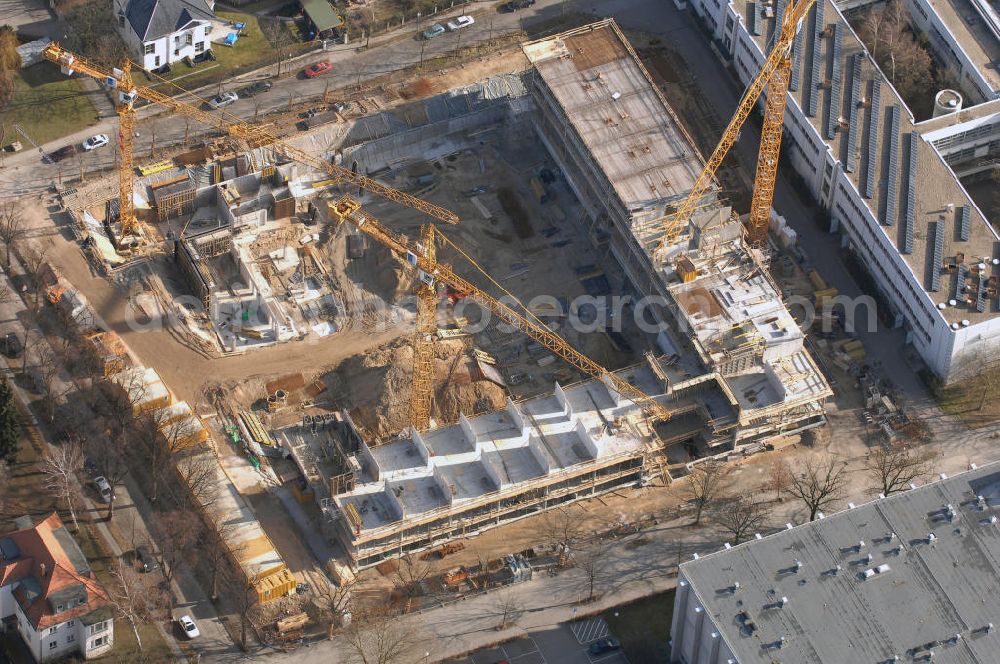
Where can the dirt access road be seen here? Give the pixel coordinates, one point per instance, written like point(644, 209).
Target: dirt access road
point(183, 369)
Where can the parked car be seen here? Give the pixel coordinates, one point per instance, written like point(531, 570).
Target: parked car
point(96, 141)
point(225, 99)
point(601, 646)
point(256, 88)
point(147, 563)
point(514, 5)
point(12, 346)
point(460, 22)
point(318, 69)
point(60, 154)
point(435, 30)
point(190, 629)
point(103, 488)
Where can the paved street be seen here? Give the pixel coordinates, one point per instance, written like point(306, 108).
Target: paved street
point(130, 514)
point(542, 634)
point(567, 643)
point(25, 172)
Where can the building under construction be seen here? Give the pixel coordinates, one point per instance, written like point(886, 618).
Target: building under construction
point(422, 489)
point(733, 369)
point(720, 316)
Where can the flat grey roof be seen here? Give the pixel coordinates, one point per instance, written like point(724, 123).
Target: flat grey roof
point(966, 24)
point(608, 97)
point(928, 593)
point(936, 184)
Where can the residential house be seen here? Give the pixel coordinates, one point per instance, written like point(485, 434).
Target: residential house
point(49, 595)
point(162, 32)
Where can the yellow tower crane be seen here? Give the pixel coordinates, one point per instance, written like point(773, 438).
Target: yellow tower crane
point(250, 134)
point(424, 259)
point(773, 75)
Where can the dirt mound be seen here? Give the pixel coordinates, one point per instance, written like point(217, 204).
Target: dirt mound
point(376, 386)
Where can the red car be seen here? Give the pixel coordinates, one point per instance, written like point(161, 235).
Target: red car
point(319, 68)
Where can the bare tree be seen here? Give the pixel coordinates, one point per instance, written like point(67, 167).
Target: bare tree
point(158, 439)
point(177, 538)
point(563, 526)
point(818, 483)
point(109, 456)
point(887, 33)
point(705, 484)
point(216, 545)
point(594, 560)
point(199, 476)
point(278, 36)
point(49, 381)
point(12, 227)
point(90, 36)
point(741, 517)
point(333, 603)
point(59, 467)
point(37, 275)
point(893, 469)
point(244, 598)
point(136, 597)
point(779, 477)
point(377, 636)
point(507, 607)
point(410, 575)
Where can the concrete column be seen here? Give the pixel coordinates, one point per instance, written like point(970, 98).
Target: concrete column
point(677, 627)
point(713, 653)
point(699, 619)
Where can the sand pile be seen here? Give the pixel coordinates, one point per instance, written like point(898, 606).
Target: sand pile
point(377, 384)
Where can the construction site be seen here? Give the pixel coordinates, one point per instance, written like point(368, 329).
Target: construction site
point(586, 313)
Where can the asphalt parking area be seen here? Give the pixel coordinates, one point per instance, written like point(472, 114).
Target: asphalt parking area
point(568, 643)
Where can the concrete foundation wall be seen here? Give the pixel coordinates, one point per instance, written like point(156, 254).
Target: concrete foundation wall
point(424, 143)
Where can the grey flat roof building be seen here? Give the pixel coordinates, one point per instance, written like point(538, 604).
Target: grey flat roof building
point(913, 576)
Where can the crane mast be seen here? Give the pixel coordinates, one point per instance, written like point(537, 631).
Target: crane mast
point(422, 391)
point(252, 135)
point(126, 132)
point(774, 75)
point(349, 210)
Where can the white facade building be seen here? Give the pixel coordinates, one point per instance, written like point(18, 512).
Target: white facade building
point(48, 593)
point(890, 193)
point(162, 32)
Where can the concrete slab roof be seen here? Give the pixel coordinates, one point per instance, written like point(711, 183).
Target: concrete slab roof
point(608, 96)
point(868, 583)
point(415, 474)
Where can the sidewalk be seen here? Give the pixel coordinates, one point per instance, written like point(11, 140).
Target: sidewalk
point(13, 311)
point(190, 597)
point(335, 53)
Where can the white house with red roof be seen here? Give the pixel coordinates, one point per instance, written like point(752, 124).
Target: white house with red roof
point(48, 592)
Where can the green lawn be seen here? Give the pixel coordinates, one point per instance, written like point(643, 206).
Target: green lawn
point(252, 50)
point(47, 105)
point(643, 627)
point(154, 649)
point(25, 494)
